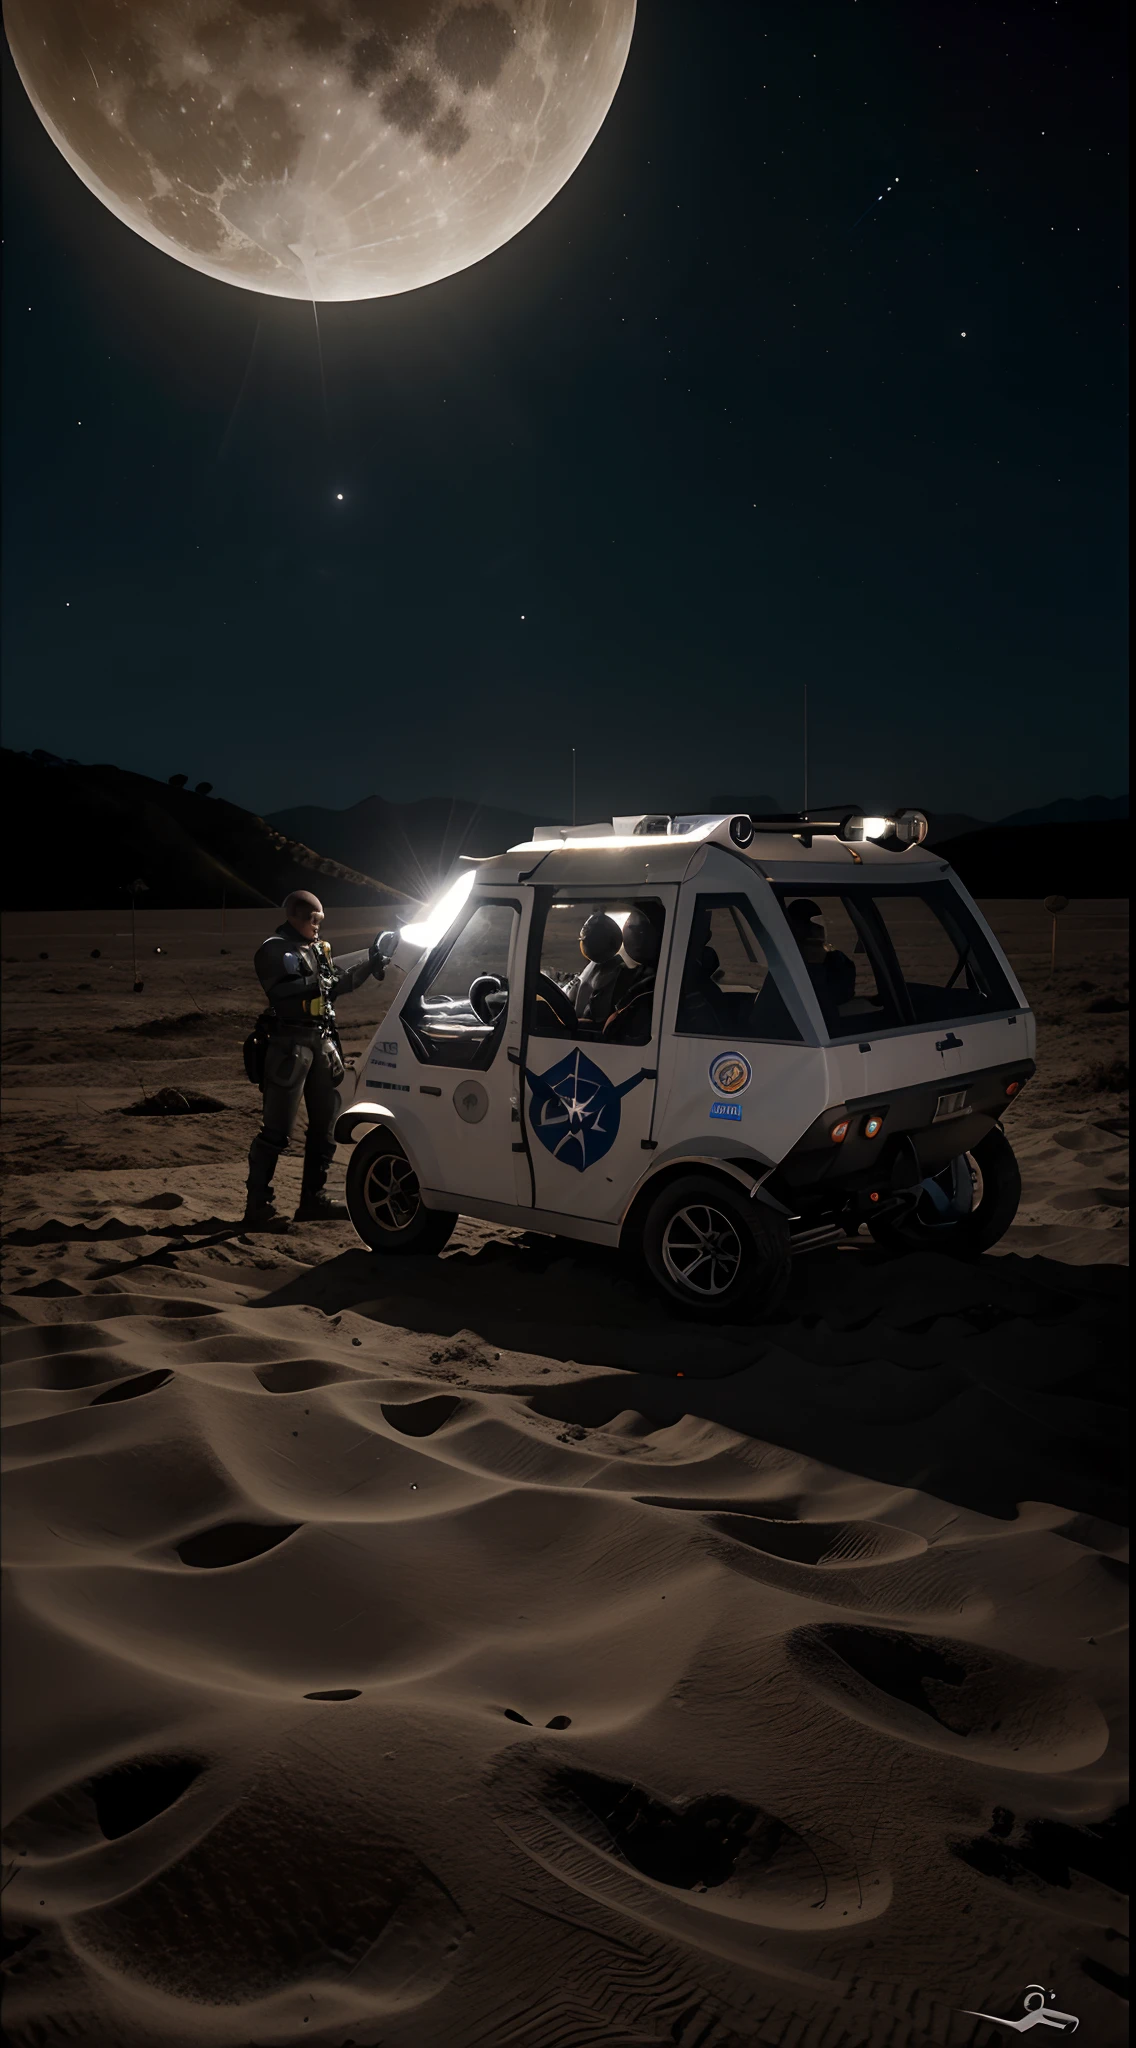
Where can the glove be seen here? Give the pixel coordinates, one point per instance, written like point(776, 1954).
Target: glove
point(382, 949)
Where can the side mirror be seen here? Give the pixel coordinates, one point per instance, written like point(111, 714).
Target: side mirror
point(387, 944)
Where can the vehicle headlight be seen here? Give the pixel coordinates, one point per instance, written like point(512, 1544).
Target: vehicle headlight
point(428, 930)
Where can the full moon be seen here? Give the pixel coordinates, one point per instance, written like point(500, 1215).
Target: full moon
point(323, 149)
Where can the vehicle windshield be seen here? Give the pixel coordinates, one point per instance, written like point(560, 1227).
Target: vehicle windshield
point(884, 955)
point(457, 1010)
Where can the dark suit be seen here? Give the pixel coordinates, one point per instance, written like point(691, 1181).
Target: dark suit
point(301, 981)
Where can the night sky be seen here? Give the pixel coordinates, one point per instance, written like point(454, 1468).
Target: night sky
point(698, 436)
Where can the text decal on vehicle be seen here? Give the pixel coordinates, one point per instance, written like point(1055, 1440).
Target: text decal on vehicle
point(730, 1073)
point(732, 1111)
point(576, 1109)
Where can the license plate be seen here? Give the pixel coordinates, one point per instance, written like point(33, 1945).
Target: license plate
point(950, 1105)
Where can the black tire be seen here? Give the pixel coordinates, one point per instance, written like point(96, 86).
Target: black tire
point(384, 1202)
point(995, 1191)
point(746, 1271)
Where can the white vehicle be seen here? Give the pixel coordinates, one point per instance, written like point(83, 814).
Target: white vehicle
point(780, 1029)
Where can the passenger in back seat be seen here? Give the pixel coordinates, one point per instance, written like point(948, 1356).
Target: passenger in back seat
point(702, 1007)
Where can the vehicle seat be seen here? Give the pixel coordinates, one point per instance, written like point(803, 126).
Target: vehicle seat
point(600, 943)
point(769, 1014)
point(703, 1007)
point(630, 1020)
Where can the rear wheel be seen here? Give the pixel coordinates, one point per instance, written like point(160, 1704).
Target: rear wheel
point(713, 1251)
point(962, 1210)
point(385, 1203)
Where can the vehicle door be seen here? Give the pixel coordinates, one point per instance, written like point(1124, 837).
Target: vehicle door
point(591, 1061)
point(456, 1087)
point(742, 1074)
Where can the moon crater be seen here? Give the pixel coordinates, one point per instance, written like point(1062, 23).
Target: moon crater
point(323, 149)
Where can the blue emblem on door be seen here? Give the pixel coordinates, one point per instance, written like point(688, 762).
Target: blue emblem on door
point(575, 1109)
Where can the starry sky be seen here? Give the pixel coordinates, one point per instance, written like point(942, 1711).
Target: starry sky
point(721, 423)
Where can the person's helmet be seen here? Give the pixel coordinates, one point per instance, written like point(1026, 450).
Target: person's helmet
point(805, 919)
point(600, 937)
point(640, 940)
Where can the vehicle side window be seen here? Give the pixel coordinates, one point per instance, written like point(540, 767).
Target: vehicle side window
point(456, 1014)
point(597, 969)
point(881, 956)
point(729, 989)
point(949, 967)
point(847, 959)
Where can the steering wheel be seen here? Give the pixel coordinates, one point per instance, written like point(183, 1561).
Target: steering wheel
point(562, 1007)
point(481, 991)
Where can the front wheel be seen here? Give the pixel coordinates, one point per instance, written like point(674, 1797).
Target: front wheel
point(715, 1252)
point(962, 1210)
point(385, 1203)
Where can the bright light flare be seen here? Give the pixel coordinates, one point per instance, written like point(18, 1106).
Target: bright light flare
point(876, 828)
point(440, 917)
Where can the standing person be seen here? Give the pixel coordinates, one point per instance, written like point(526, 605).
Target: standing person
point(301, 981)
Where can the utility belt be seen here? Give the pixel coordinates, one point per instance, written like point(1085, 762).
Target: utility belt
point(268, 1026)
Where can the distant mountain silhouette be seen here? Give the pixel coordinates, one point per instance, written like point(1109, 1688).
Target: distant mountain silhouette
point(409, 847)
point(1073, 810)
point(82, 834)
point(1066, 810)
point(412, 846)
point(1042, 860)
point(945, 825)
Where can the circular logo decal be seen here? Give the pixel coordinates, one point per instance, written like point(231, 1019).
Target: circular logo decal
point(730, 1074)
point(471, 1101)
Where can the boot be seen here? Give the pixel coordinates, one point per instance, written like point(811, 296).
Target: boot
point(316, 1207)
point(260, 1206)
point(261, 1213)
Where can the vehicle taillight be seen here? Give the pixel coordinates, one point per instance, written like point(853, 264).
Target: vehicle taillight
point(839, 1132)
point(872, 1126)
point(1012, 1087)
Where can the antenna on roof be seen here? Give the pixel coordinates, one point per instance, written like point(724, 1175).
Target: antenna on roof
point(805, 806)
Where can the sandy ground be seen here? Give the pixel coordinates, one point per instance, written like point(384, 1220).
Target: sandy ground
point(437, 1653)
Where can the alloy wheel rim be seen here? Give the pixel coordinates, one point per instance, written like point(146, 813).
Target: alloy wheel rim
point(391, 1192)
point(702, 1251)
point(947, 1208)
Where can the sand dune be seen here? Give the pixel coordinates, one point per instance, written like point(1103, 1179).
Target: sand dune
point(464, 1654)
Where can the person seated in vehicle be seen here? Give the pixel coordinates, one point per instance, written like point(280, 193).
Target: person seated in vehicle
point(700, 1006)
point(593, 990)
point(832, 973)
point(630, 1019)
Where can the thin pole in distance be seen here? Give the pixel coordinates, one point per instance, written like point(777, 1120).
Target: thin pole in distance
point(573, 785)
point(806, 741)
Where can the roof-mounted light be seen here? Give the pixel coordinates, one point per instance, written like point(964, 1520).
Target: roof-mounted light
point(911, 828)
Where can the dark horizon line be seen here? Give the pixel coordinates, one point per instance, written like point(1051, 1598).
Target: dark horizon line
point(45, 755)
